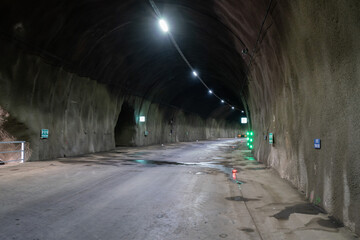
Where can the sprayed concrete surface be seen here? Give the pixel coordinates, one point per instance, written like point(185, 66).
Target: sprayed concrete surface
point(304, 85)
point(293, 67)
point(176, 191)
point(83, 115)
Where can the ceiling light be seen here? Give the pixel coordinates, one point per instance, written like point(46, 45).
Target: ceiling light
point(195, 73)
point(210, 91)
point(163, 25)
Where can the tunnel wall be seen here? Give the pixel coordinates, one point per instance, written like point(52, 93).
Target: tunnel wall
point(80, 113)
point(304, 84)
point(167, 125)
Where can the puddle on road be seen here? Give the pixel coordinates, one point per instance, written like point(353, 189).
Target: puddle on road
point(220, 163)
point(247, 230)
point(330, 224)
point(305, 208)
point(258, 168)
point(153, 162)
point(241, 199)
point(214, 165)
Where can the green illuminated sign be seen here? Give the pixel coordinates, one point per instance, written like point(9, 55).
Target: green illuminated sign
point(250, 139)
point(271, 138)
point(44, 133)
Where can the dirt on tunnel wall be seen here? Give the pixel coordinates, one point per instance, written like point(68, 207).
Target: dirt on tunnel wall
point(82, 114)
point(304, 84)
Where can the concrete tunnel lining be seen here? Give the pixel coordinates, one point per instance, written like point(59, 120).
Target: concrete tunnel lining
point(70, 66)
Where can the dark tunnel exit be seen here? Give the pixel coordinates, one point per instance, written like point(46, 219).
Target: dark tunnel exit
point(125, 126)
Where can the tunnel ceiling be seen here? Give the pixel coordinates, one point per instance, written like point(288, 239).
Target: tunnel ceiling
point(119, 43)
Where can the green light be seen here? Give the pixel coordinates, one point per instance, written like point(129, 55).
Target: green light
point(248, 144)
point(247, 133)
point(251, 133)
point(248, 139)
point(251, 140)
point(251, 146)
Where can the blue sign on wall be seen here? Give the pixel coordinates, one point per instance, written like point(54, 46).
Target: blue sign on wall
point(317, 144)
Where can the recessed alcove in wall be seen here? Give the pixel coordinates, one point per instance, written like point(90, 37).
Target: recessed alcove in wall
point(125, 128)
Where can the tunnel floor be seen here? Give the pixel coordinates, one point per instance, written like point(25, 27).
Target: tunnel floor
point(176, 191)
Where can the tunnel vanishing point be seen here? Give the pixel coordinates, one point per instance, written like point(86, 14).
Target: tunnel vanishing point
point(87, 71)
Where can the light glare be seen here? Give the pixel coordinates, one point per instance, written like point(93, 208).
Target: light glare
point(232, 108)
point(222, 101)
point(210, 91)
point(195, 73)
point(142, 119)
point(163, 25)
point(243, 120)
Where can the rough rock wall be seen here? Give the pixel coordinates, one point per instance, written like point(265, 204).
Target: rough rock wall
point(80, 113)
point(166, 125)
point(305, 84)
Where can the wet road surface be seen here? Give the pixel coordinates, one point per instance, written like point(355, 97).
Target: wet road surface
point(177, 191)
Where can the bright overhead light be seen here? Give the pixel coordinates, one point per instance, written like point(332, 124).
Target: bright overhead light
point(242, 111)
point(232, 108)
point(243, 120)
point(222, 101)
point(210, 91)
point(195, 73)
point(163, 25)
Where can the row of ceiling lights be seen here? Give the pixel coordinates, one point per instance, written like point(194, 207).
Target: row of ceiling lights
point(165, 28)
point(211, 92)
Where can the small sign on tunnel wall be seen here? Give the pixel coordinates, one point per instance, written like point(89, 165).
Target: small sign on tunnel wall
point(44, 134)
point(271, 138)
point(317, 143)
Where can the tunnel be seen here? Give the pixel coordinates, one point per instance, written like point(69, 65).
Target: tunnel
point(98, 75)
point(125, 126)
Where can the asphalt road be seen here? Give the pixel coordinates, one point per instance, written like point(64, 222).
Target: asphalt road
point(177, 191)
